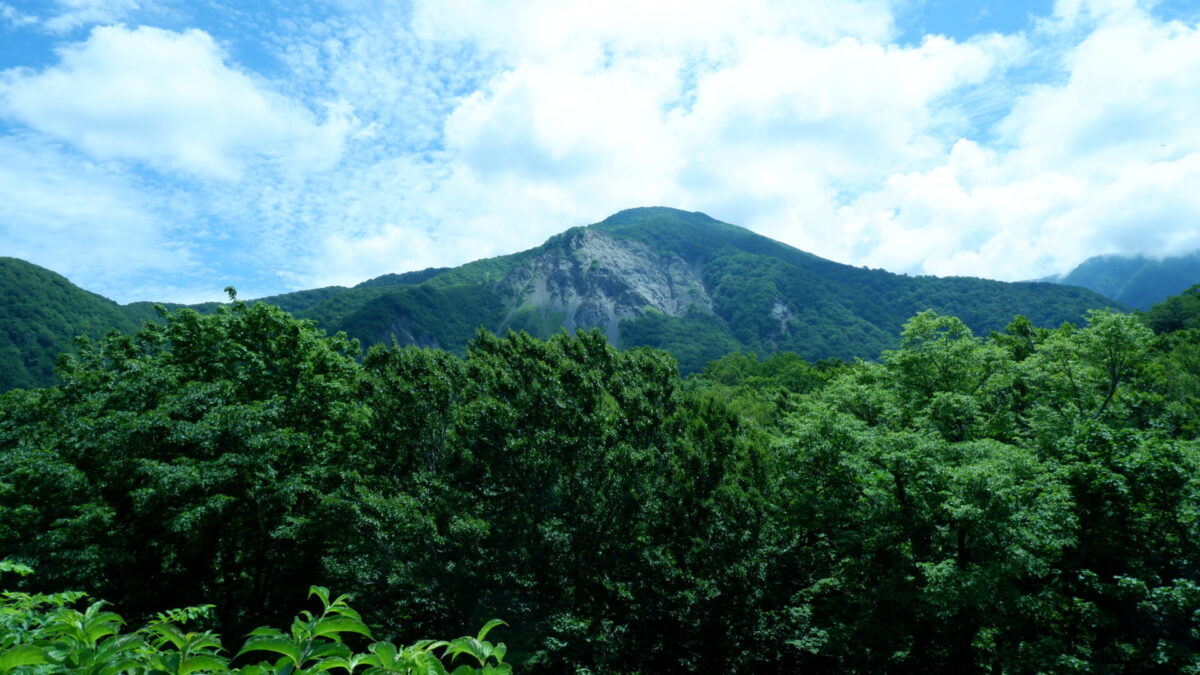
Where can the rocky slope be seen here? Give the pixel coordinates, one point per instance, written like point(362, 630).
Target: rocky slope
point(595, 281)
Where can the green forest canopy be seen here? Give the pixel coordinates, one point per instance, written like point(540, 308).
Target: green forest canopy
point(1018, 502)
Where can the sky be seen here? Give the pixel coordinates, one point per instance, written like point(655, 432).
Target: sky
point(164, 149)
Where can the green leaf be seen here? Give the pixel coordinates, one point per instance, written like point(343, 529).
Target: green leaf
point(117, 666)
point(348, 664)
point(167, 633)
point(322, 593)
point(202, 662)
point(340, 624)
point(498, 652)
point(325, 649)
point(487, 628)
point(278, 645)
point(200, 641)
point(385, 654)
point(16, 568)
point(466, 645)
point(419, 664)
point(110, 650)
point(98, 625)
point(21, 655)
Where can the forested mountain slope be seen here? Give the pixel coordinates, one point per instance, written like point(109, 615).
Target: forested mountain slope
point(660, 277)
point(1178, 312)
point(684, 282)
point(40, 314)
point(1136, 281)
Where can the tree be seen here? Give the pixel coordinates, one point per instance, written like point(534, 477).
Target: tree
point(193, 459)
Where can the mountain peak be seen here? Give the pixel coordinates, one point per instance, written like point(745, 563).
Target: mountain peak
point(643, 212)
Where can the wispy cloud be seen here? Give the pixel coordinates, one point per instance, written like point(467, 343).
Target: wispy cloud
point(71, 14)
point(16, 18)
point(88, 221)
point(356, 139)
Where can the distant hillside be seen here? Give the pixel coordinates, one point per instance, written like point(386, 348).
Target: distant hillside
point(1176, 313)
point(659, 277)
point(40, 314)
point(1136, 281)
point(684, 282)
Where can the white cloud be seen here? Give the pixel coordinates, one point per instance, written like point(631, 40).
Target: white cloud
point(345, 261)
point(845, 147)
point(1105, 161)
point(73, 14)
point(763, 116)
point(1133, 91)
point(547, 28)
point(556, 121)
point(84, 221)
point(1077, 13)
point(15, 17)
point(170, 100)
point(965, 217)
point(948, 222)
point(481, 128)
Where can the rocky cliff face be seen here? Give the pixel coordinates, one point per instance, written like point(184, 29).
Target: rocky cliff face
point(594, 280)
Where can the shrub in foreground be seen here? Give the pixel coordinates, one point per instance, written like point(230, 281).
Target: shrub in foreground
point(43, 633)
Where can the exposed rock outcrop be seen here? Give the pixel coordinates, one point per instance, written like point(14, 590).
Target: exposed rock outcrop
point(595, 280)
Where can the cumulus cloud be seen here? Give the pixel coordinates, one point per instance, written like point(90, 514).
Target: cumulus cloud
point(548, 28)
point(1132, 90)
point(463, 128)
point(763, 115)
point(1105, 161)
point(840, 141)
point(169, 100)
point(1075, 13)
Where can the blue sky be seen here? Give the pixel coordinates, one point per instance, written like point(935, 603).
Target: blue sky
point(163, 149)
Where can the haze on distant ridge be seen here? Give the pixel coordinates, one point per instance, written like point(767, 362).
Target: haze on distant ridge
point(157, 149)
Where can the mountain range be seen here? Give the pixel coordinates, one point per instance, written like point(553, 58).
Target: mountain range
point(652, 276)
point(1137, 281)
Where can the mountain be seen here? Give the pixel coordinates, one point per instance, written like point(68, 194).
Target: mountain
point(1176, 313)
point(689, 284)
point(1136, 281)
point(40, 316)
point(654, 276)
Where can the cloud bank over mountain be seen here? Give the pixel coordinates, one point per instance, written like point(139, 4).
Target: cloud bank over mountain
point(338, 142)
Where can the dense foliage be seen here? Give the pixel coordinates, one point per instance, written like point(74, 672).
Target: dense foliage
point(42, 634)
point(1016, 503)
point(1176, 313)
